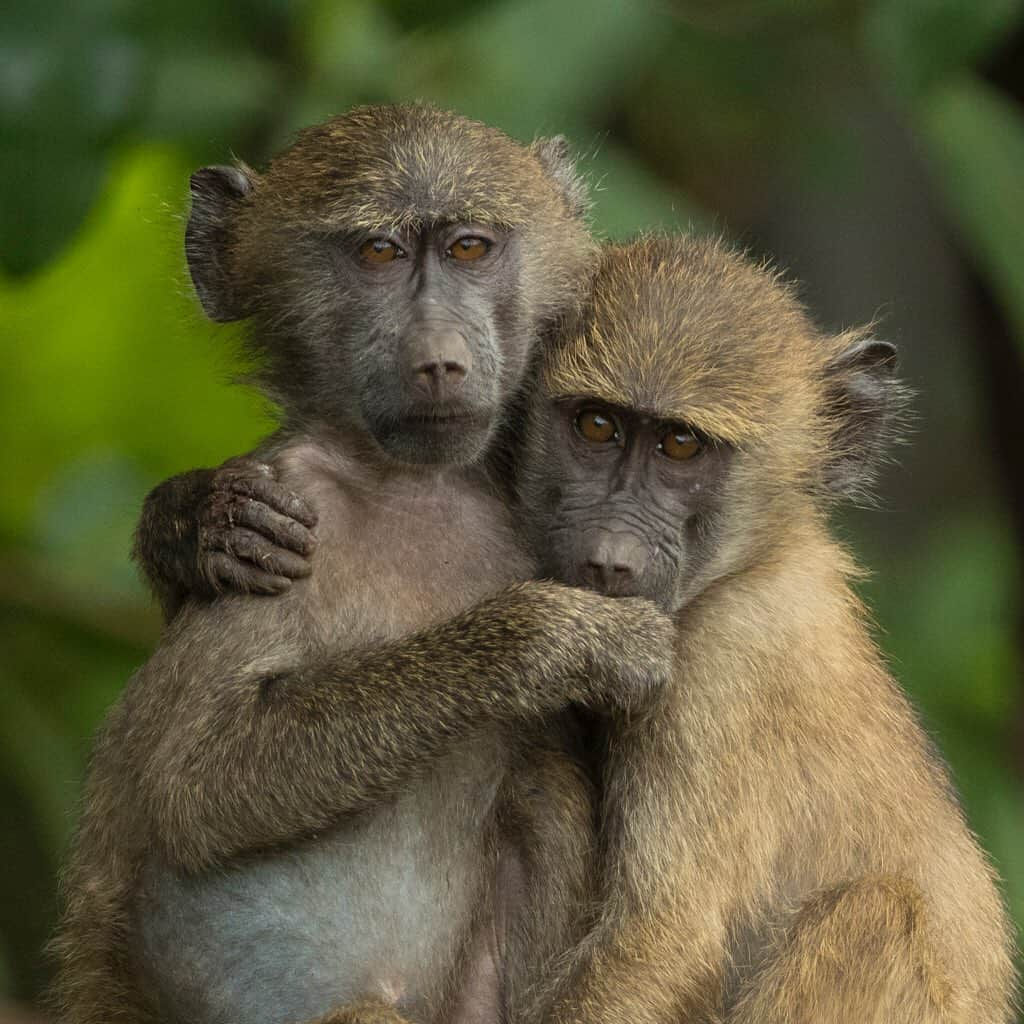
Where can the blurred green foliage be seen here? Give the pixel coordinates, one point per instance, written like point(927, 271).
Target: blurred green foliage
point(875, 148)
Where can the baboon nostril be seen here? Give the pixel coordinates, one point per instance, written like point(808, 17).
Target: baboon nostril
point(610, 572)
point(440, 379)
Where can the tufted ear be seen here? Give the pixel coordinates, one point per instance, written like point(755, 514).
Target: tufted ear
point(867, 406)
point(555, 154)
point(217, 193)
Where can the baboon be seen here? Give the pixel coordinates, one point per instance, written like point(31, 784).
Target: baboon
point(780, 841)
point(320, 806)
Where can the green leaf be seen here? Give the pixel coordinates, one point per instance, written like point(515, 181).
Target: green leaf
point(918, 43)
point(111, 337)
point(976, 139)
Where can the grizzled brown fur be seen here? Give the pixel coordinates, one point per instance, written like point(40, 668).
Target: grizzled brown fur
point(342, 798)
point(404, 167)
point(783, 845)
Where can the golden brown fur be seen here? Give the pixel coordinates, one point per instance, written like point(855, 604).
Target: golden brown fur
point(782, 843)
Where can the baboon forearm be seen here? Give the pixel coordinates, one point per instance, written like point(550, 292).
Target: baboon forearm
point(166, 539)
point(273, 755)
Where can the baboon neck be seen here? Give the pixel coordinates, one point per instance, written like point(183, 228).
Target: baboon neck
point(797, 594)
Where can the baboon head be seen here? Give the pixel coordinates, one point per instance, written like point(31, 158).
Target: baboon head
point(690, 418)
point(397, 264)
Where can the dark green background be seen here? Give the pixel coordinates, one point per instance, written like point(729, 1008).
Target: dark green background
point(875, 150)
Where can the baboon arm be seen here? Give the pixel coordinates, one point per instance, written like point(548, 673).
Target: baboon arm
point(257, 749)
point(167, 538)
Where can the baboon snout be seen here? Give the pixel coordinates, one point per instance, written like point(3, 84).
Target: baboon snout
point(437, 362)
point(614, 563)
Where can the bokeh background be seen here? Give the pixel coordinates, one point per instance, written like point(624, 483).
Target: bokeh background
point(873, 149)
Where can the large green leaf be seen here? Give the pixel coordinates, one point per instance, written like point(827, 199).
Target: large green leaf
point(976, 139)
point(919, 43)
point(106, 350)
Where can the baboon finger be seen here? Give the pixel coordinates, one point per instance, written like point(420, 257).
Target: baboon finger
point(227, 573)
point(249, 546)
point(284, 532)
point(277, 497)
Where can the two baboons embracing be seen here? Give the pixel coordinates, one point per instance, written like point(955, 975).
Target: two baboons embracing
point(572, 715)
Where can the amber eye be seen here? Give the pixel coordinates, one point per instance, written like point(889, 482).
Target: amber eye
point(379, 250)
point(679, 443)
point(469, 248)
point(595, 426)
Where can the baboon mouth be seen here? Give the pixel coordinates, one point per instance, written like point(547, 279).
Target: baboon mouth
point(446, 420)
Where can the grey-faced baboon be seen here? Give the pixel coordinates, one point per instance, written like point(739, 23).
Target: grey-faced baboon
point(780, 842)
point(305, 802)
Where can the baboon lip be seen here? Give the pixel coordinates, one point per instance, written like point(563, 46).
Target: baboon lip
point(444, 420)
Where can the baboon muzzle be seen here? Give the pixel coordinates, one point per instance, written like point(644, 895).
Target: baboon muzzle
point(436, 363)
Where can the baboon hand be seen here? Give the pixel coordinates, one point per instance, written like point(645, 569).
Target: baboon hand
point(629, 653)
point(255, 536)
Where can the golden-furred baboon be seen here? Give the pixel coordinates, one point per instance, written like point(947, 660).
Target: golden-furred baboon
point(325, 806)
point(780, 841)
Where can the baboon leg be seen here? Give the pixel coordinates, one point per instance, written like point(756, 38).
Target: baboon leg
point(366, 1011)
point(640, 971)
point(855, 953)
point(551, 809)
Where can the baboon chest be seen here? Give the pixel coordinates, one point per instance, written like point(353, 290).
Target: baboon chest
point(397, 902)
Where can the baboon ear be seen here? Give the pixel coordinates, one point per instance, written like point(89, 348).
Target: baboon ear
point(217, 193)
point(867, 405)
point(555, 154)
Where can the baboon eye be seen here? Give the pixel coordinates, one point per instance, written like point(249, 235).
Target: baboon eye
point(680, 443)
point(596, 426)
point(469, 248)
point(379, 250)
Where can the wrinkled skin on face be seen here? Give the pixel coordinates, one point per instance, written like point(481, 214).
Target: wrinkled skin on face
point(443, 340)
point(396, 266)
point(689, 416)
point(631, 500)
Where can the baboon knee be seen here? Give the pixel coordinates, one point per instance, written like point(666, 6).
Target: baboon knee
point(366, 1011)
point(882, 908)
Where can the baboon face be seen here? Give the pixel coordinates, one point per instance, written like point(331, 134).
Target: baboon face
point(630, 498)
point(688, 416)
point(420, 335)
point(397, 264)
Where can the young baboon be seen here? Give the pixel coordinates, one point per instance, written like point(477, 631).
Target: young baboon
point(303, 803)
point(781, 843)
